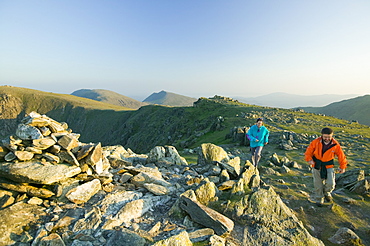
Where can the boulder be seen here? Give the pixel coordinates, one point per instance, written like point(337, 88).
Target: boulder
point(84, 192)
point(269, 221)
point(43, 143)
point(206, 216)
point(129, 211)
point(68, 141)
point(210, 153)
point(23, 155)
point(125, 237)
point(15, 218)
point(345, 236)
point(25, 188)
point(166, 154)
point(26, 132)
point(181, 239)
point(37, 173)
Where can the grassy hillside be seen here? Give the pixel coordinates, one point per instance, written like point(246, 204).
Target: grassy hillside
point(79, 113)
point(169, 99)
point(211, 120)
point(110, 97)
point(357, 109)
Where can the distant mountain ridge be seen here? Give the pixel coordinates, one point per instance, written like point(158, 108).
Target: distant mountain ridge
point(286, 100)
point(108, 96)
point(170, 99)
point(357, 109)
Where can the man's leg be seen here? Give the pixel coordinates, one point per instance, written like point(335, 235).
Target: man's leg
point(329, 184)
point(253, 151)
point(257, 154)
point(318, 186)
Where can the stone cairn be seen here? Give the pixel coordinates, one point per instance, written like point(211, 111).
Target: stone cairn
point(56, 190)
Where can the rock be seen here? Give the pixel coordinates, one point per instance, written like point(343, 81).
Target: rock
point(43, 143)
point(361, 187)
point(68, 156)
point(23, 155)
point(50, 157)
point(166, 154)
point(94, 156)
point(26, 132)
point(91, 220)
point(158, 190)
point(6, 198)
point(206, 216)
point(3, 152)
point(84, 151)
point(232, 167)
point(84, 192)
point(269, 221)
point(182, 239)
point(15, 218)
point(210, 153)
point(226, 185)
point(35, 201)
point(143, 178)
point(345, 236)
point(275, 159)
point(68, 142)
point(37, 173)
point(25, 188)
point(129, 211)
point(10, 157)
point(216, 240)
point(52, 240)
point(284, 169)
point(125, 237)
point(114, 201)
point(206, 192)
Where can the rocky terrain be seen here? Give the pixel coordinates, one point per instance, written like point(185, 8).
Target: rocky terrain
point(57, 190)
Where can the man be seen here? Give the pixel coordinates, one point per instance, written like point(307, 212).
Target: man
point(320, 155)
point(258, 137)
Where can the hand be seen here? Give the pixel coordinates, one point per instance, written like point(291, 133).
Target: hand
point(341, 170)
point(311, 162)
point(257, 140)
point(266, 143)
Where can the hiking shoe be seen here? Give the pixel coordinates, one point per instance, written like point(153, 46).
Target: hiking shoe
point(329, 198)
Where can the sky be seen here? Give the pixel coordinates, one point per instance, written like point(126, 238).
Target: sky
point(196, 48)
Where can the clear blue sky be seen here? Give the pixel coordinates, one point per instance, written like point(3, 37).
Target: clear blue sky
point(190, 47)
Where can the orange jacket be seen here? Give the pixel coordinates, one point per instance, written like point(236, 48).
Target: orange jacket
point(315, 149)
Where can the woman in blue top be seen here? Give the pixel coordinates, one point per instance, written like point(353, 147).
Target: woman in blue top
point(258, 136)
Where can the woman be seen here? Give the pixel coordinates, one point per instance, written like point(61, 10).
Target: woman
point(258, 137)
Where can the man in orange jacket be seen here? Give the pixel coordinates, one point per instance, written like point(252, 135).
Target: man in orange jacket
point(320, 155)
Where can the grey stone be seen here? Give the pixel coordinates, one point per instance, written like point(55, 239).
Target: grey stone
point(345, 236)
point(206, 216)
point(210, 153)
point(26, 132)
point(129, 211)
point(181, 239)
point(15, 218)
point(35, 172)
point(84, 192)
point(125, 237)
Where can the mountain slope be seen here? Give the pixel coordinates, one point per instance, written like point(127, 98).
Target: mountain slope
point(109, 97)
point(357, 109)
point(211, 120)
point(169, 99)
point(285, 100)
point(15, 102)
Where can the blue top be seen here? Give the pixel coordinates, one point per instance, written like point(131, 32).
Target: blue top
point(254, 133)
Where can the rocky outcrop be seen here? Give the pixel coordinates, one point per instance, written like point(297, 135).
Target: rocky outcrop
point(95, 195)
